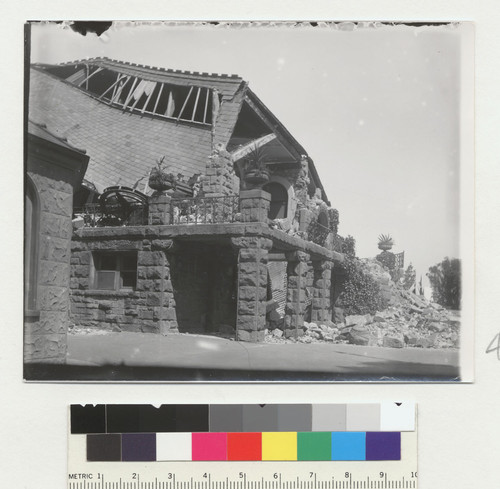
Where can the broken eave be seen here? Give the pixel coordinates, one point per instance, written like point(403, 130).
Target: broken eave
point(294, 148)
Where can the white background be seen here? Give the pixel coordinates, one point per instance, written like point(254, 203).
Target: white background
point(459, 425)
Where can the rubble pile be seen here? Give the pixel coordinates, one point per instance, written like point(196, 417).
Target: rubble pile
point(410, 321)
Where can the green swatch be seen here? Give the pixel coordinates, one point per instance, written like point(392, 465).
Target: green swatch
point(315, 445)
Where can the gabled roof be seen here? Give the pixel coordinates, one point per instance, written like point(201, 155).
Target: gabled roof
point(124, 145)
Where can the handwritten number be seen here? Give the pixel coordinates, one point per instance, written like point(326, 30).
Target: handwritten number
point(494, 345)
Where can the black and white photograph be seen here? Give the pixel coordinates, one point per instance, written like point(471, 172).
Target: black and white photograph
point(248, 201)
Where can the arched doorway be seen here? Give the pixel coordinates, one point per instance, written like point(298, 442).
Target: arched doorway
point(279, 200)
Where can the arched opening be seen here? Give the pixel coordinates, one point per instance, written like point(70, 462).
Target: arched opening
point(279, 200)
point(323, 219)
point(31, 220)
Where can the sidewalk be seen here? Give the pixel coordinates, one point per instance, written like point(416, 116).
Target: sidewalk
point(184, 351)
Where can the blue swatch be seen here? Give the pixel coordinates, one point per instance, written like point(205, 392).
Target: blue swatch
point(348, 445)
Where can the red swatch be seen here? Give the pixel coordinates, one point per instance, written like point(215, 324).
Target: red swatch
point(244, 446)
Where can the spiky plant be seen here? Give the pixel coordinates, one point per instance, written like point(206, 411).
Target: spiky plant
point(385, 242)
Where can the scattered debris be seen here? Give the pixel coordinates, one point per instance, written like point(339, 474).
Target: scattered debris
point(411, 321)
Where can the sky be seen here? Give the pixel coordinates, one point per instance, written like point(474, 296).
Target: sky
point(376, 107)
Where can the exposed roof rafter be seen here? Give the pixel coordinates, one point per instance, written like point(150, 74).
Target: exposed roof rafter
point(243, 151)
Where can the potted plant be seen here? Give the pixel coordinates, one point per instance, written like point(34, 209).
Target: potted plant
point(385, 242)
point(255, 170)
point(160, 179)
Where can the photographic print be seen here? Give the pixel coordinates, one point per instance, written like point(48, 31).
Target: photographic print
point(273, 201)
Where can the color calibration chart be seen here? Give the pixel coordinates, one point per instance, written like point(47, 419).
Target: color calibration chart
point(219, 446)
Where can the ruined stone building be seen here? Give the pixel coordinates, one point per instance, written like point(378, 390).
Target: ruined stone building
point(243, 240)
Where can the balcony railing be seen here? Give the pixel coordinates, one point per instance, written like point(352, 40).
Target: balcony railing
point(317, 233)
point(94, 215)
point(207, 210)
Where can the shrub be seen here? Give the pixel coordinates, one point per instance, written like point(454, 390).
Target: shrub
point(333, 219)
point(409, 279)
point(445, 279)
point(345, 245)
point(387, 259)
point(361, 292)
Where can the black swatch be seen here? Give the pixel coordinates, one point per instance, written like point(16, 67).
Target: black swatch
point(88, 419)
point(104, 448)
point(140, 418)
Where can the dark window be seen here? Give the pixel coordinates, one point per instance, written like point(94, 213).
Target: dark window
point(279, 200)
point(115, 271)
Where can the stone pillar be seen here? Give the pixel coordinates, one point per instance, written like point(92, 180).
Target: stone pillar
point(159, 209)
point(296, 293)
point(254, 205)
point(157, 309)
point(321, 308)
point(252, 287)
point(219, 178)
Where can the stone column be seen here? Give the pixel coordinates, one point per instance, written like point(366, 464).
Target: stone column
point(159, 209)
point(157, 309)
point(252, 287)
point(321, 308)
point(219, 178)
point(296, 293)
point(254, 205)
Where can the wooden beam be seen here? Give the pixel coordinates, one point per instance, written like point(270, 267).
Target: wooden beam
point(243, 151)
point(119, 79)
point(196, 103)
point(158, 99)
point(185, 103)
point(120, 89)
point(90, 76)
point(149, 98)
point(144, 91)
point(206, 105)
point(130, 93)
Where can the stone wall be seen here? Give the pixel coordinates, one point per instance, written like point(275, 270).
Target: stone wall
point(148, 308)
point(45, 335)
point(187, 287)
point(53, 172)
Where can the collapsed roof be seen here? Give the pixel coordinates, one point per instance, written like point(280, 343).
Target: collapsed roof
point(126, 116)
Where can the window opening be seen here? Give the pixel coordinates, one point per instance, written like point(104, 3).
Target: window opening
point(115, 271)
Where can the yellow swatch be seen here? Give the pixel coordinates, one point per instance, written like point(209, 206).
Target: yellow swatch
point(279, 445)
